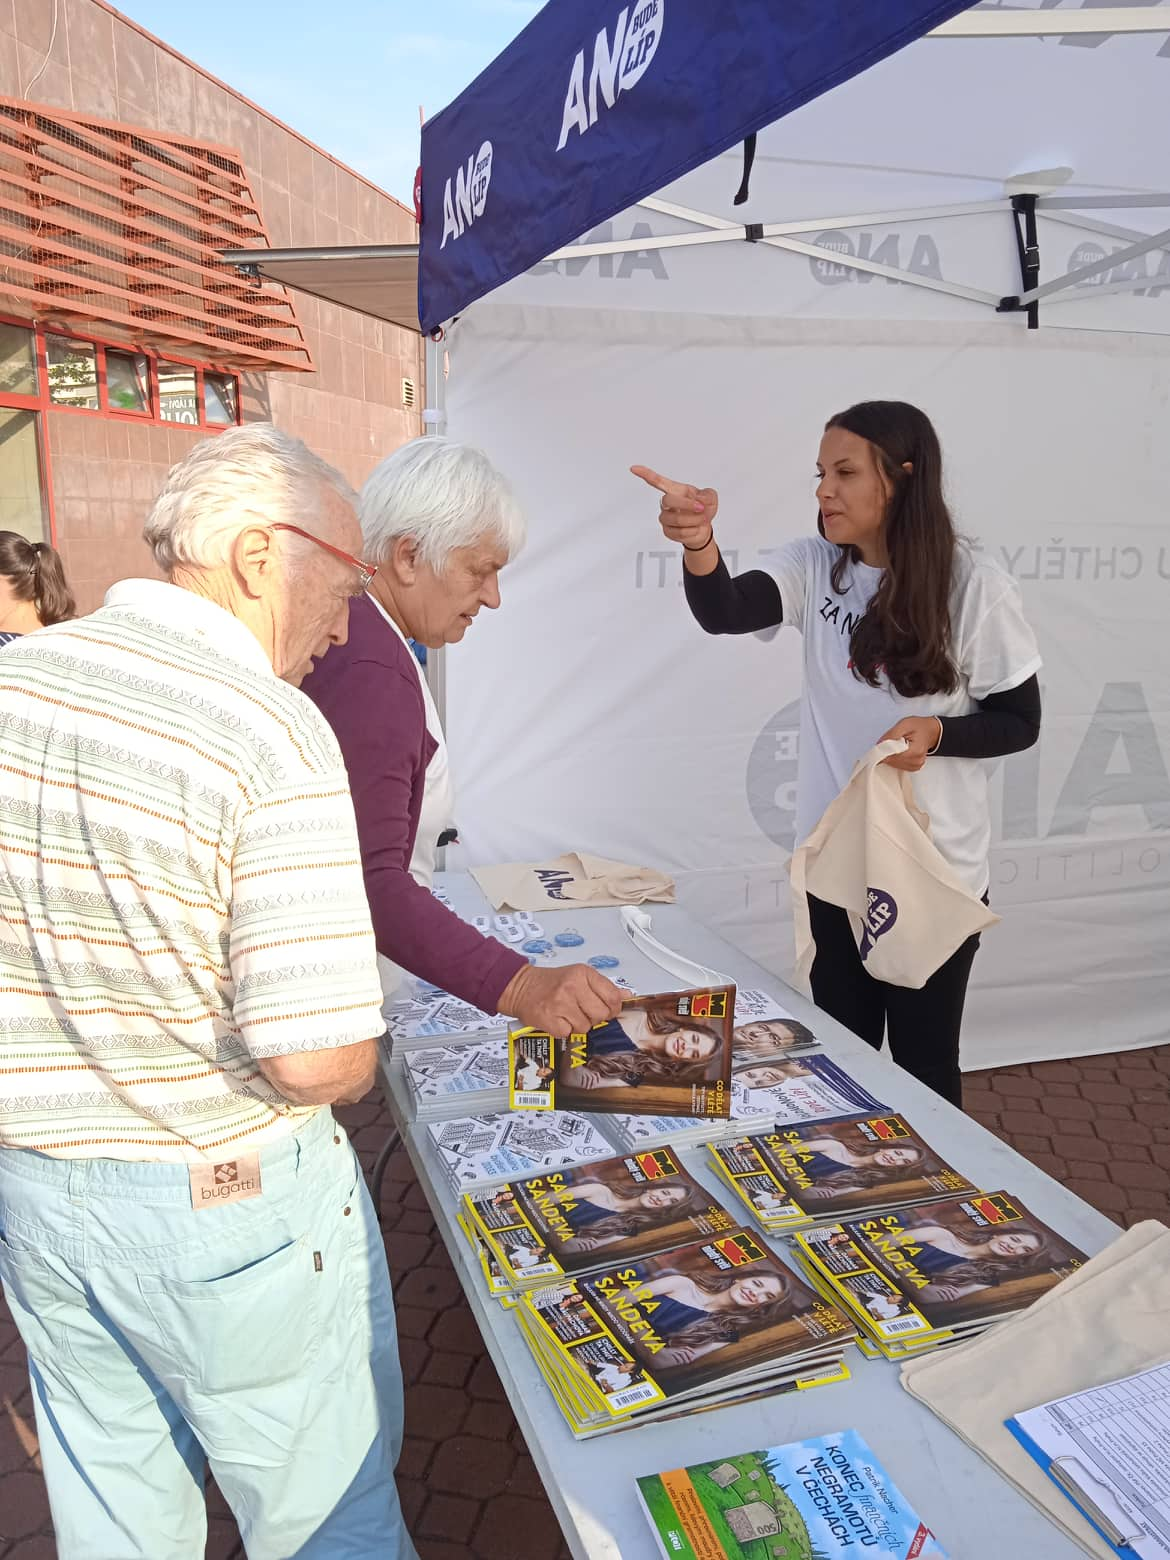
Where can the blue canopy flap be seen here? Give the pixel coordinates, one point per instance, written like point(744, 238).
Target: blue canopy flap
point(598, 104)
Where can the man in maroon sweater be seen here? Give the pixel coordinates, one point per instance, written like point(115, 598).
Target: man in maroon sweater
point(439, 522)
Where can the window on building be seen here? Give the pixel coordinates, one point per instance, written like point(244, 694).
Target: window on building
point(178, 393)
point(22, 500)
point(18, 361)
point(54, 371)
point(220, 398)
point(128, 381)
point(73, 378)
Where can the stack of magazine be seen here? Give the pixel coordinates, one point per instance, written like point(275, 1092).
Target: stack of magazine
point(792, 1176)
point(446, 1071)
point(705, 1324)
point(492, 1148)
point(824, 1496)
point(449, 1069)
point(914, 1278)
point(567, 1222)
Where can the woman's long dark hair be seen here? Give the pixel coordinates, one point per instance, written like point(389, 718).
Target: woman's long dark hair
point(638, 1067)
point(873, 1174)
point(728, 1326)
point(660, 1023)
point(35, 573)
point(905, 632)
point(1000, 1270)
point(624, 1222)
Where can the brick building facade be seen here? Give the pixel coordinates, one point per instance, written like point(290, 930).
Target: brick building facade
point(123, 338)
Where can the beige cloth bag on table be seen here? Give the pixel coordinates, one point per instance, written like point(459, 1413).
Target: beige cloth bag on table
point(1109, 1319)
point(872, 855)
point(573, 881)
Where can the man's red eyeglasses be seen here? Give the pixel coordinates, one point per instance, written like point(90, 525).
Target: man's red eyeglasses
point(366, 571)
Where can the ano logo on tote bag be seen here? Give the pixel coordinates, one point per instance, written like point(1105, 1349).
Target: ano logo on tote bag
point(875, 833)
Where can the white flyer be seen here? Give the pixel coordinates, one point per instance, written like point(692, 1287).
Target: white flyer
point(437, 1072)
point(419, 1009)
point(480, 1148)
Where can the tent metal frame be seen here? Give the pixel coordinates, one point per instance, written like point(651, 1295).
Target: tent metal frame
point(989, 20)
point(782, 235)
point(999, 21)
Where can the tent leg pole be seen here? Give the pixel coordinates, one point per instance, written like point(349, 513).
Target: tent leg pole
point(434, 419)
point(435, 390)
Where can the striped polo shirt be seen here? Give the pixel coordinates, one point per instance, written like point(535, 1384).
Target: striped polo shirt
point(180, 885)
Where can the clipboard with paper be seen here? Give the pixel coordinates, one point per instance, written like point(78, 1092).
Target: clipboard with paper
point(1108, 1450)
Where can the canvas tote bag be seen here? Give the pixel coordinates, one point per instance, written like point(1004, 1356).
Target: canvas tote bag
point(872, 855)
point(573, 881)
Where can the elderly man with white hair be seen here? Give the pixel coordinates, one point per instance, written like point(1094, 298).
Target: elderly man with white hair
point(190, 980)
point(440, 523)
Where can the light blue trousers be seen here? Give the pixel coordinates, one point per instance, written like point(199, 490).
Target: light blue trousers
point(258, 1337)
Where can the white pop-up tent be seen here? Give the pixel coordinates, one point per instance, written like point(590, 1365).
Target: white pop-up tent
point(902, 234)
point(870, 261)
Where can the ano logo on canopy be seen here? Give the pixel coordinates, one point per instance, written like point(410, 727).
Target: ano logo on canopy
point(616, 67)
point(461, 207)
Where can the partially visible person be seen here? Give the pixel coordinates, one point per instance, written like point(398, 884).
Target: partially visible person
point(647, 1046)
point(186, 1241)
point(907, 633)
point(769, 1075)
point(613, 1375)
point(840, 1168)
point(598, 1214)
point(770, 1037)
point(960, 1265)
point(530, 1074)
point(33, 588)
point(885, 1307)
point(695, 1316)
point(439, 522)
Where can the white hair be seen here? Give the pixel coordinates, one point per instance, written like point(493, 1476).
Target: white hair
point(442, 496)
point(251, 475)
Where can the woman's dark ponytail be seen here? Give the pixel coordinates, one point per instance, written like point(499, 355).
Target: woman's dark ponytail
point(54, 599)
point(35, 573)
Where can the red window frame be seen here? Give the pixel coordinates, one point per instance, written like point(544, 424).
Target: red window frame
point(43, 402)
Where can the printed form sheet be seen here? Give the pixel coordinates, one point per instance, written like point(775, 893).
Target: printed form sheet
point(1113, 1442)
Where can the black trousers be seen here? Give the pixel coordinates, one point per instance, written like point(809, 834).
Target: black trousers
point(923, 1026)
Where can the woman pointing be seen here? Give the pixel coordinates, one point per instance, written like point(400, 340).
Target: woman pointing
point(908, 633)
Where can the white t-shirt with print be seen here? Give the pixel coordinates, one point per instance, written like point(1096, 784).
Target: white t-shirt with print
point(842, 717)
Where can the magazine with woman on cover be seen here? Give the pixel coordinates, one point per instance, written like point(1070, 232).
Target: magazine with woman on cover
point(714, 1311)
point(664, 1055)
point(792, 1175)
point(962, 1262)
point(589, 1216)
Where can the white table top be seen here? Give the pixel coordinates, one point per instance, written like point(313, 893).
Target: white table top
point(972, 1511)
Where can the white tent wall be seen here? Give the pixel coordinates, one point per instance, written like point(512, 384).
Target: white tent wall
point(592, 712)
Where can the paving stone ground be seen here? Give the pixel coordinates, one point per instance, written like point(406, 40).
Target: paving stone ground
point(1101, 1126)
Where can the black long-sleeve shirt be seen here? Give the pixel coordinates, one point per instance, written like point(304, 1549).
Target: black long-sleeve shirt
point(1004, 723)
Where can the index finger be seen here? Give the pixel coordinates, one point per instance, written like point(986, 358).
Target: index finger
point(663, 484)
